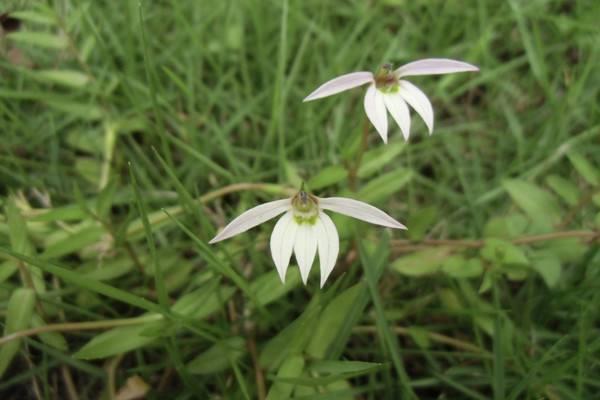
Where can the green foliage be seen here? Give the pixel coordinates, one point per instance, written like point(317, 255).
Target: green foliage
point(125, 124)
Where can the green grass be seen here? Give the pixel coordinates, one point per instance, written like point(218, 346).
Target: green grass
point(131, 131)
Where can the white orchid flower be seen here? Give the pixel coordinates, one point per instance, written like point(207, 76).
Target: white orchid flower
point(388, 91)
point(304, 228)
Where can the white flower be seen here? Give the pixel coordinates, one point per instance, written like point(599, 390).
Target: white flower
point(388, 91)
point(304, 228)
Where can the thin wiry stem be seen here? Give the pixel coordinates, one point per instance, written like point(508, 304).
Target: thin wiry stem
point(406, 246)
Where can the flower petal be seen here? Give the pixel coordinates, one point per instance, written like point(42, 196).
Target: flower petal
point(399, 110)
point(339, 84)
point(434, 66)
point(328, 243)
point(375, 109)
point(359, 210)
point(419, 101)
point(305, 249)
point(282, 242)
point(252, 217)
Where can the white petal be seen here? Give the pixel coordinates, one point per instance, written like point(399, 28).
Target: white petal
point(252, 217)
point(359, 210)
point(399, 110)
point(375, 109)
point(305, 249)
point(339, 84)
point(417, 100)
point(328, 243)
point(434, 66)
point(282, 242)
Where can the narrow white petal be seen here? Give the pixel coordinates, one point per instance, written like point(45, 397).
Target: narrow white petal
point(339, 84)
point(282, 242)
point(359, 210)
point(328, 243)
point(375, 109)
point(434, 66)
point(305, 249)
point(399, 110)
point(252, 217)
point(419, 101)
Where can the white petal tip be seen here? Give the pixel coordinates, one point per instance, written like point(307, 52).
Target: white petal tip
point(214, 240)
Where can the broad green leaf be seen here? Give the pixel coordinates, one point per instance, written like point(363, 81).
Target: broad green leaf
point(423, 262)
point(502, 252)
point(77, 109)
point(18, 317)
point(327, 176)
point(74, 242)
point(566, 189)
point(292, 367)
point(203, 302)
point(39, 17)
point(420, 336)
point(548, 266)
point(538, 204)
point(420, 221)
point(72, 212)
point(41, 39)
point(506, 227)
point(268, 287)
point(292, 339)
point(586, 169)
point(218, 357)
point(384, 186)
point(63, 77)
point(7, 269)
point(54, 339)
point(332, 321)
point(374, 160)
point(457, 266)
point(122, 339)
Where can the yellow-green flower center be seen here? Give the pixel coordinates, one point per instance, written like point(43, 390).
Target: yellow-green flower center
point(305, 208)
point(385, 79)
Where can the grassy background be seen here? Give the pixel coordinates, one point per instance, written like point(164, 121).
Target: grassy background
point(132, 130)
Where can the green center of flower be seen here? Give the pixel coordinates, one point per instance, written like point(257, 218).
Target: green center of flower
point(385, 79)
point(305, 208)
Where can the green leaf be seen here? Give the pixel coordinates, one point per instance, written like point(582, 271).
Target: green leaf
point(41, 39)
point(332, 321)
point(420, 336)
point(420, 221)
point(506, 227)
point(74, 242)
point(268, 287)
point(122, 339)
point(384, 186)
point(63, 77)
point(54, 339)
point(336, 367)
point(88, 112)
point(588, 171)
point(34, 16)
point(292, 367)
point(538, 204)
point(458, 267)
point(503, 253)
point(423, 262)
point(218, 357)
point(566, 189)
point(18, 316)
point(203, 302)
point(548, 266)
point(374, 160)
point(327, 176)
